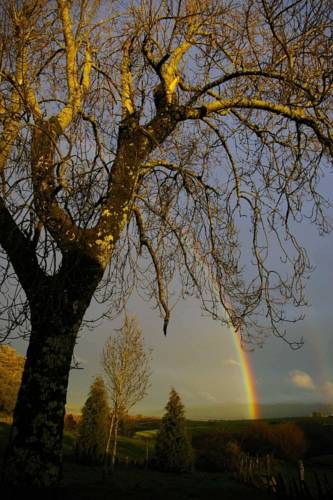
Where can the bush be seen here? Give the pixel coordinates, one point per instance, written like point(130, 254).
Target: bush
point(319, 437)
point(71, 423)
point(286, 440)
point(127, 426)
point(257, 438)
point(216, 451)
point(232, 455)
point(173, 450)
point(289, 441)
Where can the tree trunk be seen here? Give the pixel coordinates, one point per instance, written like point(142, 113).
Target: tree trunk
point(115, 438)
point(33, 457)
point(34, 453)
point(107, 448)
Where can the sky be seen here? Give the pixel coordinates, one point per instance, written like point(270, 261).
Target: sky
point(199, 359)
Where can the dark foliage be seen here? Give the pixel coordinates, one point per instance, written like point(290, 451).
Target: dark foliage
point(71, 423)
point(127, 426)
point(319, 436)
point(257, 438)
point(216, 450)
point(285, 440)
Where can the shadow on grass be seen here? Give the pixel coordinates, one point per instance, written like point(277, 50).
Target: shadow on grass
point(4, 436)
point(83, 483)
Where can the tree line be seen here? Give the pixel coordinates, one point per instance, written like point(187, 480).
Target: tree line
point(173, 450)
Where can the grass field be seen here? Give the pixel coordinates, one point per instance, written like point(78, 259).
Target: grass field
point(135, 482)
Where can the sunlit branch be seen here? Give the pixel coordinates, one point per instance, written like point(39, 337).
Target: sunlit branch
point(299, 115)
point(169, 70)
point(126, 80)
point(303, 86)
point(13, 118)
point(66, 115)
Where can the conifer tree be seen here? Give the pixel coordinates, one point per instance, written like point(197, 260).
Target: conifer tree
point(93, 427)
point(173, 450)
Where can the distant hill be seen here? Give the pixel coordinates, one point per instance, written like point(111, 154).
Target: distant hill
point(231, 411)
point(294, 410)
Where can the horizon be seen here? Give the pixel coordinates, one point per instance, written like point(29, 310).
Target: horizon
point(220, 412)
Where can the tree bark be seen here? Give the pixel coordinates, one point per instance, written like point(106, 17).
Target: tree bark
point(33, 458)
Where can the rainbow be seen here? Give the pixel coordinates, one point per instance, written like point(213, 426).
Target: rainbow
point(247, 374)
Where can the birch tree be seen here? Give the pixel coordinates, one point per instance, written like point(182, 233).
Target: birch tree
point(145, 145)
point(126, 364)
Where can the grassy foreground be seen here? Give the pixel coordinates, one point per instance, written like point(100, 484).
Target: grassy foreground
point(81, 482)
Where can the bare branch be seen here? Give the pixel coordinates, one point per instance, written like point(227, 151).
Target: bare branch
point(161, 290)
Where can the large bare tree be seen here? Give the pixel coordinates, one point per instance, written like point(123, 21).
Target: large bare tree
point(137, 140)
point(126, 364)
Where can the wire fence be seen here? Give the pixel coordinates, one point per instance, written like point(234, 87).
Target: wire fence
point(261, 472)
